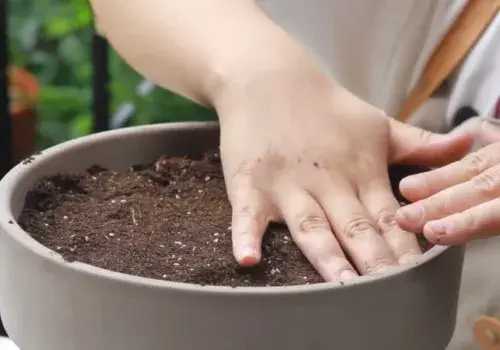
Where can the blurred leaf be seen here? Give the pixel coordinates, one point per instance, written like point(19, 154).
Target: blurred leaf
point(67, 101)
point(71, 49)
point(28, 33)
point(68, 17)
point(81, 125)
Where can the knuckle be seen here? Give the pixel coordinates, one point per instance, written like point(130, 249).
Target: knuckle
point(425, 135)
point(487, 183)
point(242, 176)
point(468, 220)
point(241, 221)
point(243, 211)
point(377, 265)
point(336, 263)
point(247, 215)
point(437, 205)
point(410, 255)
point(359, 227)
point(473, 164)
point(313, 223)
point(386, 220)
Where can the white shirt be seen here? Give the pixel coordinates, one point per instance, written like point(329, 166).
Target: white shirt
point(377, 48)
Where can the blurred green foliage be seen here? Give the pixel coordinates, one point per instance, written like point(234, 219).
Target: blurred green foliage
point(52, 39)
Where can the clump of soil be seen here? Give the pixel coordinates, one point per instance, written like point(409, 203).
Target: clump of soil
point(167, 220)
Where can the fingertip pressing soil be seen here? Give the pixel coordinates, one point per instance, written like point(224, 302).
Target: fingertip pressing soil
point(168, 220)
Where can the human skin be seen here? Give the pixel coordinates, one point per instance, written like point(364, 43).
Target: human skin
point(458, 202)
point(295, 145)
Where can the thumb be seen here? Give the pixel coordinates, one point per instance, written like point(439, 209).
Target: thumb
point(410, 144)
point(490, 132)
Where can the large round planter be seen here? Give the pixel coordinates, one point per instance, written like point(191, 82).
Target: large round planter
point(50, 304)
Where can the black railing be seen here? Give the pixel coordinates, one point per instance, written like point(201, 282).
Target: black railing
point(5, 121)
point(100, 82)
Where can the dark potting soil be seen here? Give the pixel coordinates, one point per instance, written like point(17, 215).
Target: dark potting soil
point(168, 220)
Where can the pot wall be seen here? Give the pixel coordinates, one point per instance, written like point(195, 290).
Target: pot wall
point(48, 304)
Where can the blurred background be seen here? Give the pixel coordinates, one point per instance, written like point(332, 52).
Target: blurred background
point(51, 68)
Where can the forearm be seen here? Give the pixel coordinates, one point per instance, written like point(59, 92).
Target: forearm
point(190, 46)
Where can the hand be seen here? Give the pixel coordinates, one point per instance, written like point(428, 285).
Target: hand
point(297, 147)
point(459, 202)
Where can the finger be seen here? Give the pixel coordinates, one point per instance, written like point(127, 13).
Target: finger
point(423, 185)
point(480, 221)
point(409, 144)
point(249, 222)
point(312, 233)
point(379, 201)
point(489, 132)
point(480, 189)
point(356, 231)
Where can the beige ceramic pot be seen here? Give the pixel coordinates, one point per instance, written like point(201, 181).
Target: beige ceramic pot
point(50, 304)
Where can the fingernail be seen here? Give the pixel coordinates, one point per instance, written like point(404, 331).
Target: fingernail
point(412, 182)
point(490, 131)
point(412, 213)
point(492, 124)
point(347, 275)
point(409, 258)
point(247, 256)
point(385, 269)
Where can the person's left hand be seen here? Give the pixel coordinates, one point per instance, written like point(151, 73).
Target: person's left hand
point(458, 202)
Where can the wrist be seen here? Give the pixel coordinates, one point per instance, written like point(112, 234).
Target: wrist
point(289, 77)
point(280, 72)
point(266, 54)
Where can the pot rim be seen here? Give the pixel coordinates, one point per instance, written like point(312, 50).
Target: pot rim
point(10, 227)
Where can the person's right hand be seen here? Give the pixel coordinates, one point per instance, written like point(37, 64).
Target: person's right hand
point(297, 147)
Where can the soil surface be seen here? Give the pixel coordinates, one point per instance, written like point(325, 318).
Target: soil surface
point(168, 220)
